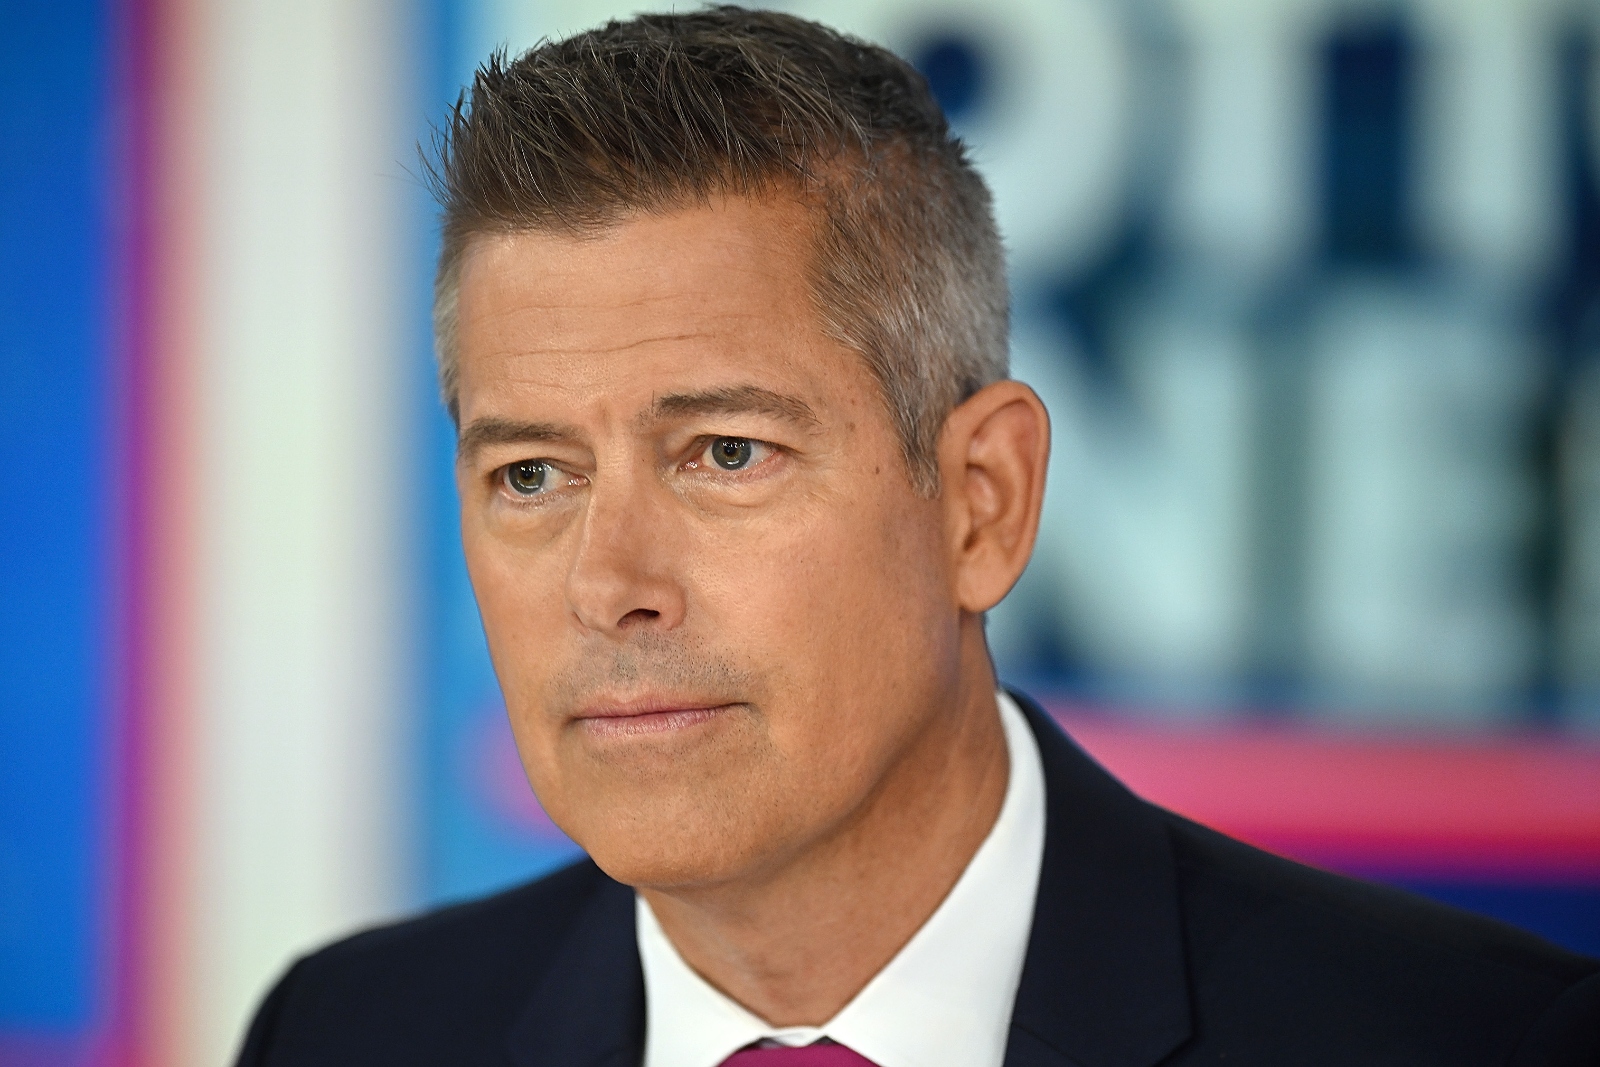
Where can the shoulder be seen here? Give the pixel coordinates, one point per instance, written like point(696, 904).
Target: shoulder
point(1342, 962)
point(448, 981)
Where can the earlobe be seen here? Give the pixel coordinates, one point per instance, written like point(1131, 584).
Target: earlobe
point(993, 457)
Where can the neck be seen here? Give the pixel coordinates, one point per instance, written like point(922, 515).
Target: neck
point(795, 945)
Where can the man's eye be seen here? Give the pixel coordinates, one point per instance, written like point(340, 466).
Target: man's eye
point(731, 453)
point(528, 479)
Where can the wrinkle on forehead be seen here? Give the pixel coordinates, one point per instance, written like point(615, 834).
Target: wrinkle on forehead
point(722, 288)
point(649, 268)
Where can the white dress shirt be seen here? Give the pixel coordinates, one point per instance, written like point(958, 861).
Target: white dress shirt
point(946, 996)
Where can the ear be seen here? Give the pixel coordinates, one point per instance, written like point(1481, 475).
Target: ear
point(993, 452)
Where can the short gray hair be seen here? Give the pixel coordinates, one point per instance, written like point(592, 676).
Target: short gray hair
point(666, 110)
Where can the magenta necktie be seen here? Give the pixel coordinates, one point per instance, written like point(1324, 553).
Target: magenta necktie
point(822, 1054)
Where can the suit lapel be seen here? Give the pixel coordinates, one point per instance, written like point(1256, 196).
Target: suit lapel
point(588, 1010)
point(1104, 981)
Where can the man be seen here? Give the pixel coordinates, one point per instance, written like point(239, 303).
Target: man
point(721, 316)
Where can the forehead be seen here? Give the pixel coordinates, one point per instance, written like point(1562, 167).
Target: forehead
point(656, 303)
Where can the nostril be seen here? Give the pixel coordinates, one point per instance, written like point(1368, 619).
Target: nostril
point(637, 615)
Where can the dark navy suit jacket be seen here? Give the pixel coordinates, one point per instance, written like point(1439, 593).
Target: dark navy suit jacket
point(1155, 941)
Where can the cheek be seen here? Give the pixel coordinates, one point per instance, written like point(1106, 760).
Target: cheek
point(851, 605)
point(519, 598)
point(519, 595)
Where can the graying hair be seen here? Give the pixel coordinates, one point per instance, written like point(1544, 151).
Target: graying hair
point(662, 111)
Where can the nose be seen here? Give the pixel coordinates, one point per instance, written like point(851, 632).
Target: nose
point(624, 574)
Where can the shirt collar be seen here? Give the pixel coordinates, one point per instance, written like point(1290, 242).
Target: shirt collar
point(946, 997)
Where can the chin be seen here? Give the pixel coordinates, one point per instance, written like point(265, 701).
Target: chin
point(670, 860)
point(679, 838)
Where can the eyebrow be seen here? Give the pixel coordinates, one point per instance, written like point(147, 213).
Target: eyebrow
point(481, 433)
point(735, 400)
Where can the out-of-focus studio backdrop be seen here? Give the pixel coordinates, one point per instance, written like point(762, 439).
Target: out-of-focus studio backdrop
point(1312, 290)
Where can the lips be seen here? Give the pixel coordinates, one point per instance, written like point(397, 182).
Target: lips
point(638, 718)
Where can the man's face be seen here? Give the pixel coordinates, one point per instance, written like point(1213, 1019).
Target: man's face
point(719, 613)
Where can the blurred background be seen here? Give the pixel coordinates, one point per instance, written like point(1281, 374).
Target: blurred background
point(1311, 288)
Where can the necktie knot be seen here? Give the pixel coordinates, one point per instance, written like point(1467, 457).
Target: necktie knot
point(821, 1054)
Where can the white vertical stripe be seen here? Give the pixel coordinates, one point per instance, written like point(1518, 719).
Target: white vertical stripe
point(302, 493)
point(1490, 188)
point(1244, 187)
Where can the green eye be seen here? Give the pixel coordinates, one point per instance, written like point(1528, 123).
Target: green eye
point(527, 479)
point(731, 453)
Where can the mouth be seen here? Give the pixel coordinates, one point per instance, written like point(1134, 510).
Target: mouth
point(646, 717)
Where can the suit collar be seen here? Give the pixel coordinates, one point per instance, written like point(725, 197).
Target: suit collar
point(588, 1010)
point(1104, 983)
